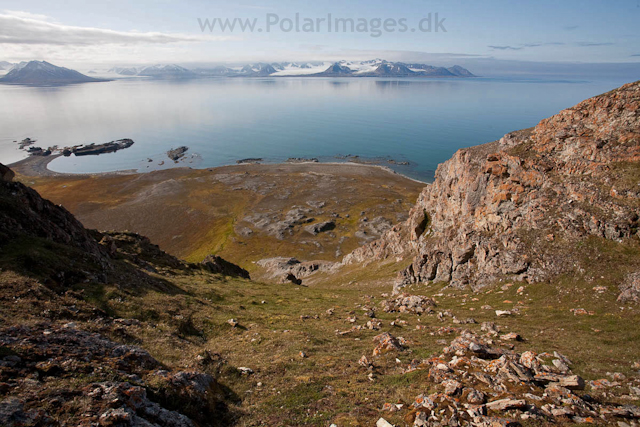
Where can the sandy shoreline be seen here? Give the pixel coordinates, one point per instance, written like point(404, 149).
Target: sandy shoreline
point(37, 166)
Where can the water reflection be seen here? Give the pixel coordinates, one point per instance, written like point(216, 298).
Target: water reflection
point(224, 119)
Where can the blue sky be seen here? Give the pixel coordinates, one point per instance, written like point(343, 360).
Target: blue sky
point(87, 33)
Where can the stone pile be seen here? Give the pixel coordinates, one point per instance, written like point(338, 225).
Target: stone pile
point(406, 303)
point(478, 383)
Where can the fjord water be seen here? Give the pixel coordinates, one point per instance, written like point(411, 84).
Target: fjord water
point(423, 121)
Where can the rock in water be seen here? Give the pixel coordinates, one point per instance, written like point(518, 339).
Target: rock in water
point(108, 147)
point(176, 154)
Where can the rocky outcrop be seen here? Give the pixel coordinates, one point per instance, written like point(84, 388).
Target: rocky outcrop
point(249, 161)
point(630, 289)
point(55, 368)
point(108, 147)
point(176, 154)
point(320, 227)
point(292, 270)
point(494, 210)
point(394, 242)
point(217, 265)
point(6, 174)
point(127, 385)
point(24, 214)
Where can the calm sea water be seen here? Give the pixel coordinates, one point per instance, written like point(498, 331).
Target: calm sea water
point(223, 120)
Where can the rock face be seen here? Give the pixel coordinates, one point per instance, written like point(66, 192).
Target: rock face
point(494, 210)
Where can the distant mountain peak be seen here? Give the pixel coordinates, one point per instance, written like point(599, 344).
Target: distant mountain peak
point(166, 71)
point(44, 73)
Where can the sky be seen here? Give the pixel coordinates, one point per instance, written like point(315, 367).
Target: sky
point(518, 34)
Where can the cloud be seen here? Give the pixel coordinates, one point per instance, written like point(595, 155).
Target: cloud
point(506, 48)
point(525, 46)
point(571, 27)
point(23, 28)
point(637, 54)
point(532, 45)
point(28, 15)
point(543, 44)
point(590, 44)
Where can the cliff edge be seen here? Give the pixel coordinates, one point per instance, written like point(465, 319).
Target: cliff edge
point(505, 208)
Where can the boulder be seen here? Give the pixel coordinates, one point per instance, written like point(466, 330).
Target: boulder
point(290, 278)
point(630, 289)
point(387, 342)
point(383, 423)
point(320, 227)
point(506, 404)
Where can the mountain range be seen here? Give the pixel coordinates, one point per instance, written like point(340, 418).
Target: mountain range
point(44, 73)
point(371, 68)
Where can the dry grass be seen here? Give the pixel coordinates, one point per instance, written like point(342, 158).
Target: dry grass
point(329, 385)
point(193, 213)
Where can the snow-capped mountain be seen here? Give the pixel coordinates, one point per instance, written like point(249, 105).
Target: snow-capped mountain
point(4, 65)
point(382, 68)
point(370, 68)
point(44, 73)
point(254, 70)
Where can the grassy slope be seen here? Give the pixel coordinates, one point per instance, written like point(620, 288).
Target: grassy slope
point(192, 213)
point(329, 385)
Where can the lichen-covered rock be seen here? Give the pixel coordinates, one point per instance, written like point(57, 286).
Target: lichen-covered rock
point(386, 342)
point(630, 289)
point(407, 303)
point(480, 384)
